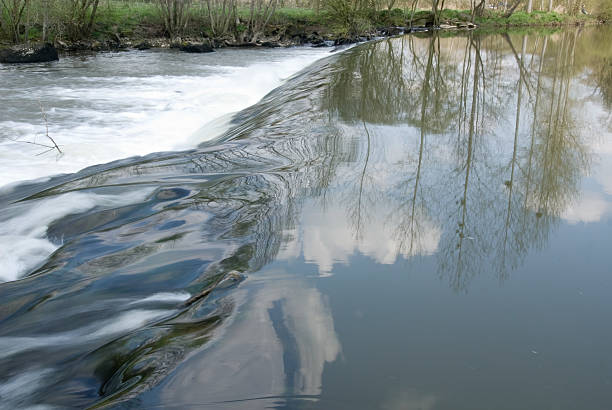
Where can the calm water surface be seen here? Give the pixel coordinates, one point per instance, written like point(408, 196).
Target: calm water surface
point(421, 222)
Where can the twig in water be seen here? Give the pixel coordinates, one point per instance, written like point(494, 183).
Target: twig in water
point(44, 115)
point(49, 147)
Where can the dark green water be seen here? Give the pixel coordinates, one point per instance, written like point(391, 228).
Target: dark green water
point(421, 222)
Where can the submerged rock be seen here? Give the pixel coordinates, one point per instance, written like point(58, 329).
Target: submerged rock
point(35, 53)
point(196, 48)
point(229, 280)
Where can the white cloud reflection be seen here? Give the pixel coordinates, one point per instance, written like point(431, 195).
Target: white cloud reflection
point(329, 237)
point(276, 345)
point(591, 207)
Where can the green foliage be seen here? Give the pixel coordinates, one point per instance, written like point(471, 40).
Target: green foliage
point(342, 18)
point(350, 17)
point(450, 14)
point(125, 19)
point(521, 18)
point(601, 9)
point(395, 17)
point(297, 14)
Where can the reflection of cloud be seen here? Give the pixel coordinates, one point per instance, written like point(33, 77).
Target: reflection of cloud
point(603, 172)
point(598, 125)
point(590, 208)
point(409, 400)
point(312, 326)
point(277, 344)
point(328, 238)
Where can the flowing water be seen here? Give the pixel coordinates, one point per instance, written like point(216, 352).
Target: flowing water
point(420, 222)
point(107, 106)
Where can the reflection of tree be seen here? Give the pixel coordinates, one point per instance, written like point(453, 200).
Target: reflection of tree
point(447, 88)
point(434, 87)
point(436, 140)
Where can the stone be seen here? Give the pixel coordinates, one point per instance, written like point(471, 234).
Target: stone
point(196, 48)
point(270, 44)
point(393, 31)
point(144, 45)
point(34, 53)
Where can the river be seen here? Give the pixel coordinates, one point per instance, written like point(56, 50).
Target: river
point(420, 222)
point(107, 106)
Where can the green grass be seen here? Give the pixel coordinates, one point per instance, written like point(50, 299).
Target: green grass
point(521, 18)
point(143, 20)
point(126, 19)
point(299, 15)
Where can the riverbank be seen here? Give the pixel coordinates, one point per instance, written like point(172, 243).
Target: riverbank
point(125, 25)
point(295, 27)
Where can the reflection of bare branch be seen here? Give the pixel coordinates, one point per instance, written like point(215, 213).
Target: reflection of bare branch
point(525, 74)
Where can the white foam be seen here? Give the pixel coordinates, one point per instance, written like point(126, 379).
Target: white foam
point(15, 391)
point(23, 227)
point(125, 322)
point(100, 119)
point(169, 297)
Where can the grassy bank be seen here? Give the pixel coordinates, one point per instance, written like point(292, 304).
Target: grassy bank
point(144, 22)
point(120, 22)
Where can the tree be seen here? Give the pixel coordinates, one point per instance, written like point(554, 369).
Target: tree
point(81, 17)
point(175, 15)
point(221, 15)
point(259, 15)
point(12, 14)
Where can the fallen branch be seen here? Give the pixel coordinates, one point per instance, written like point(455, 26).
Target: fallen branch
point(49, 147)
point(44, 115)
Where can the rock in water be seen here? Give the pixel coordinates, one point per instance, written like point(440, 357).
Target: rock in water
point(144, 45)
point(196, 48)
point(34, 53)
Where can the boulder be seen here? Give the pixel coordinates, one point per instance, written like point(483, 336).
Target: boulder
point(323, 43)
point(196, 48)
point(271, 44)
point(342, 41)
point(392, 31)
point(34, 53)
point(143, 45)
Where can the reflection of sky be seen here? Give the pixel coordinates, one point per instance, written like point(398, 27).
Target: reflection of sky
point(409, 400)
point(595, 203)
point(591, 207)
point(283, 335)
point(362, 214)
point(327, 237)
point(278, 344)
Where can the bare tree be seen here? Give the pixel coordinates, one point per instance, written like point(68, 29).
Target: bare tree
point(13, 15)
point(176, 16)
point(221, 16)
point(259, 16)
point(81, 18)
